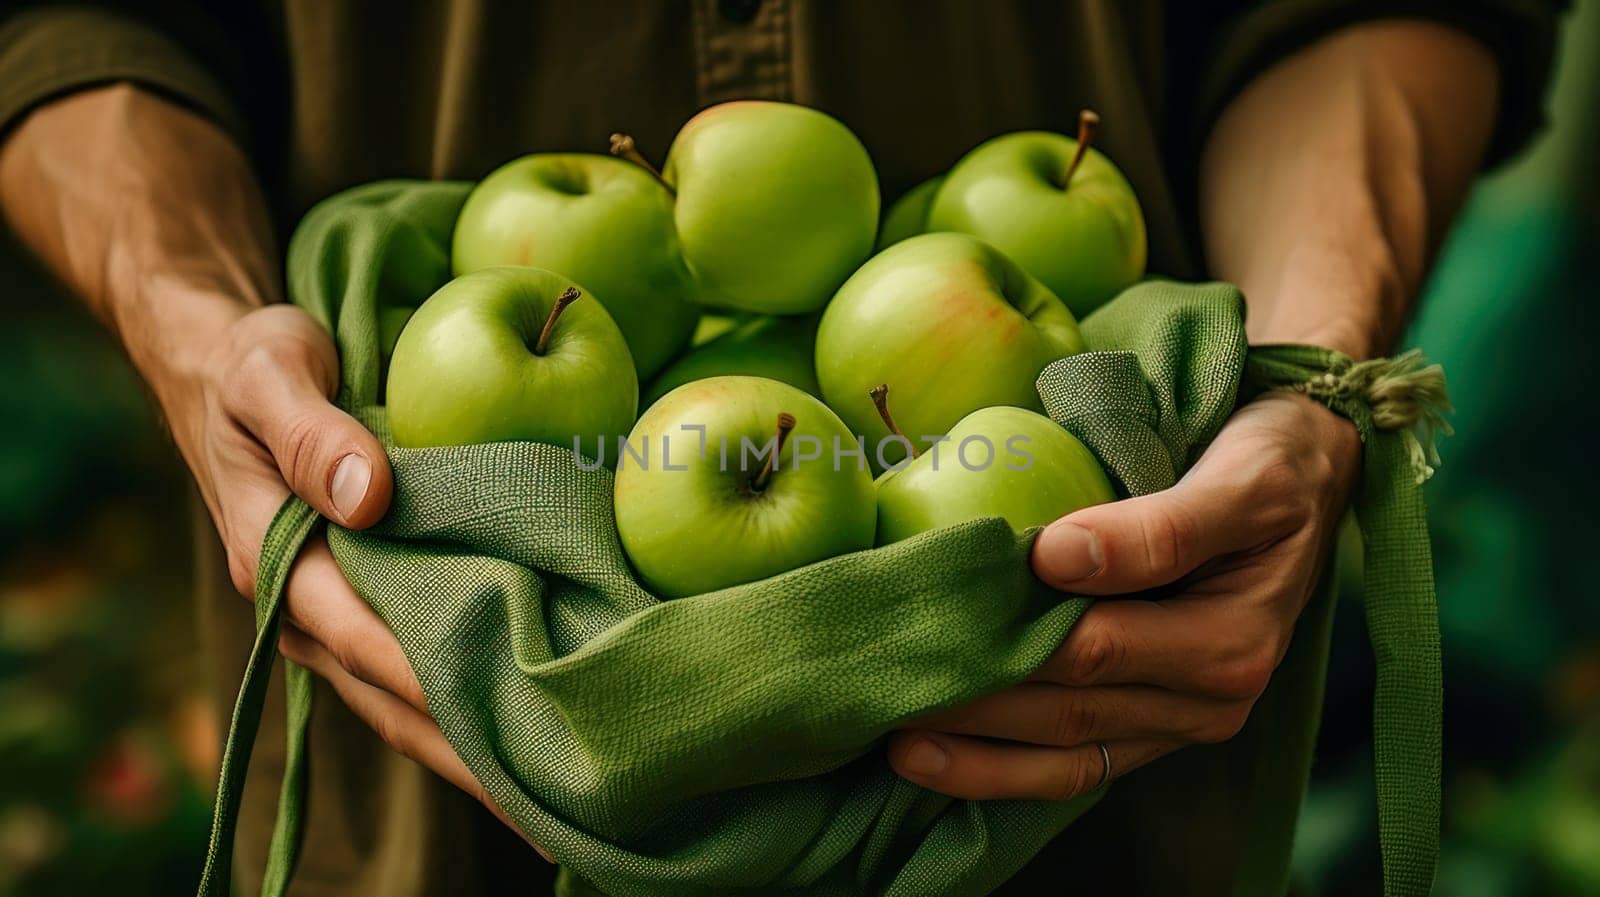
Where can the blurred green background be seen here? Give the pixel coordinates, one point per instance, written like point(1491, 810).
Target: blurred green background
point(107, 752)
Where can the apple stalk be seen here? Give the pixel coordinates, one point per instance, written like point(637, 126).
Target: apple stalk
point(880, 400)
point(785, 424)
point(1088, 121)
point(567, 297)
point(622, 146)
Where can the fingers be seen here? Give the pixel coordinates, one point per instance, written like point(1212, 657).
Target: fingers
point(1219, 649)
point(1141, 543)
point(1267, 474)
point(1058, 716)
point(279, 390)
point(409, 731)
point(320, 603)
point(976, 769)
point(403, 727)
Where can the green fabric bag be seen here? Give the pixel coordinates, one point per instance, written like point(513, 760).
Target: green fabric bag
point(727, 743)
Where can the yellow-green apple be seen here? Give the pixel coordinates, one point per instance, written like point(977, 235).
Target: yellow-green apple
point(952, 321)
point(908, 216)
point(392, 319)
point(733, 479)
point(776, 204)
point(511, 354)
point(601, 222)
point(711, 326)
point(996, 462)
point(1057, 207)
point(782, 349)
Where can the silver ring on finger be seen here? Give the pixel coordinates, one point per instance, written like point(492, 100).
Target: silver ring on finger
point(1105, 767)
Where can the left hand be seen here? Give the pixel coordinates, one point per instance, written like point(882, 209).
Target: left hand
point(1223, 563)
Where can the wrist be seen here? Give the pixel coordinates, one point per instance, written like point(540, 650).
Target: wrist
point(171, 300)
point(1350, 302)
point(172, 329)
point(1348, 337)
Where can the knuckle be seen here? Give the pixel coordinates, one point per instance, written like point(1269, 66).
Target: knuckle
point(265, 362)
point(1321, 470)
point(290, 649)
point(1167, 533)
point(389, 730)
point(1080, 778)
point(1094, 655)
point(298, 448)
point(349, 659)
point(1287, 488)
point(1279, 475)
point(1244, 676)
point(242, 572)
point(1077, 720)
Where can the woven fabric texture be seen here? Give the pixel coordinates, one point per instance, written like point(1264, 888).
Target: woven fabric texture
point(727, 743)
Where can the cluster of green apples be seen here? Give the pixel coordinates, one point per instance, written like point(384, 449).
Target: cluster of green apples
point(737, 288)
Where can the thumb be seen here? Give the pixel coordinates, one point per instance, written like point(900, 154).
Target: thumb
point(326, 457)
point(1138, 543)
point(336, 465)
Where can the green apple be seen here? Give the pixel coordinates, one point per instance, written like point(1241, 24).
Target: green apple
point(776, 204)
point(392, 319)
point(953, 321)
point(997, 462)
point(908, 216)
point(506, 354)
point(1058, 208)
point(712, 326)
point(600, 221)
point(700, 507)
point(782, 349)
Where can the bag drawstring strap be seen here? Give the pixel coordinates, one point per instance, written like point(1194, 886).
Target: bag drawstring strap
point(1404, 394)
point(1398, 406)
point(293, 524)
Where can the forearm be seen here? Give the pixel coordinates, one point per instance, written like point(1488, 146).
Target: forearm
point(147, 212)
point(1328, 183)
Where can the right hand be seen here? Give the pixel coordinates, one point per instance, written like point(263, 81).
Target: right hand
point(152, 216)
point(255, 424)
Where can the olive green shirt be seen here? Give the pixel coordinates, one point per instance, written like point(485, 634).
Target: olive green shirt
point(325, 95)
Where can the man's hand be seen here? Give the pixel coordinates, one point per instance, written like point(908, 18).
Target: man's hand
point(255, 422)
point(1216, 569)
point(152, 216)
point(1325, 186)
point(331, 631)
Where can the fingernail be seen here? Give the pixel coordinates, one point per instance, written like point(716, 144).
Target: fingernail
point(1072, 552)
point(925, 758)
point(350, 479)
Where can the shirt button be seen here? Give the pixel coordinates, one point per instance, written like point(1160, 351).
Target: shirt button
point(739, 12)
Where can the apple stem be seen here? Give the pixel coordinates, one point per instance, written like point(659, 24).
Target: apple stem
point(1088, 120)
point(622, 147)
point(880, 400)
point(785, 424)
point(567, 297)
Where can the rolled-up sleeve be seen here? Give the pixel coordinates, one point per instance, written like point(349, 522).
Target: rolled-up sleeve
point(51, 51)
point(1520, 33)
